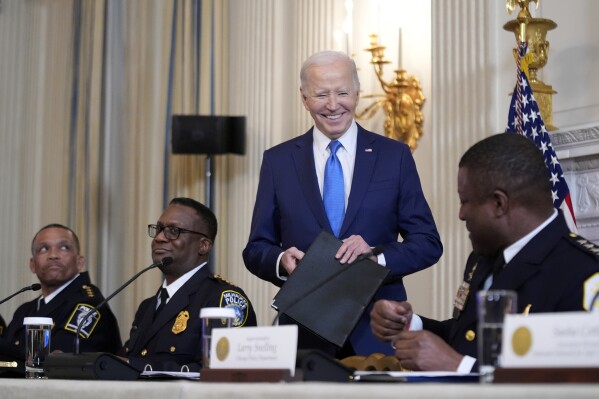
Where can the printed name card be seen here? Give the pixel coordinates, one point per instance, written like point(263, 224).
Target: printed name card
point(568, 339)
point(254, 348)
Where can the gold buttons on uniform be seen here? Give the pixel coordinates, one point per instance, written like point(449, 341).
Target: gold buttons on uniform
point(172, 349)
point(470, 335)
point(144, 352)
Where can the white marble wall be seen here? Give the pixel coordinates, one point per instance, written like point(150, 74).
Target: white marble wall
point(578, 152)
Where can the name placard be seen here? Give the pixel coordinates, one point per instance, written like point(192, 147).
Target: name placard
point(254, 348)
point(568, 339)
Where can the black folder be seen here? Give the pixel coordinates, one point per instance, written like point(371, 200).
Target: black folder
point(325, 296)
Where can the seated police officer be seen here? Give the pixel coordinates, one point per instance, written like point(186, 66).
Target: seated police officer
point(166, 331)
point(67, 295)
point(506, 202)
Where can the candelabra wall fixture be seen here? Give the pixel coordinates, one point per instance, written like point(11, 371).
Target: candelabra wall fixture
point(402, 100)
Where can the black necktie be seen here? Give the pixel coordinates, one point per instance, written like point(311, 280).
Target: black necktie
point(498, 266)
point(41, 302)
point(163, 296)
point(490, 268)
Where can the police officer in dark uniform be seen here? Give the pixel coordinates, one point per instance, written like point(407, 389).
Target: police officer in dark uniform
point(520, 242)
point(67, 295)
point(166, 331)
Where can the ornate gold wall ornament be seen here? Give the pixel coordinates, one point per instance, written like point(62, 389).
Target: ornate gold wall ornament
point(402, 100)
point(534, 32)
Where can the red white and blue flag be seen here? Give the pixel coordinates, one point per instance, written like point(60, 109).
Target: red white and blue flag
point(525, 118)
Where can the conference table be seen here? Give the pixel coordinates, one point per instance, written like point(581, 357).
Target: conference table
point(182, 389)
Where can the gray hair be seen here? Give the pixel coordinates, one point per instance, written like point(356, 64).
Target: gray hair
point(328, 57)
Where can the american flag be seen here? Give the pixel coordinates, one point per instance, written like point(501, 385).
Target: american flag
point(528, 122)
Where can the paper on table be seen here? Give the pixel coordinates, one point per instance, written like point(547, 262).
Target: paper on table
point(415, 376)
point(189, 375)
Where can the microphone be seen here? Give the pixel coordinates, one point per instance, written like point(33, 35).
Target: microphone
point(166, 261)
point(32, 287)
point(94, 365)
point(377, 250)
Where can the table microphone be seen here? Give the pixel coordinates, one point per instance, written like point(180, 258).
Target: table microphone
point(166, 261)
point(32, 287)
point(94, 365)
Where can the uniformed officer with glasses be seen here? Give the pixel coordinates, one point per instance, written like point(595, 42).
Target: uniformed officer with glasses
point(166, 331)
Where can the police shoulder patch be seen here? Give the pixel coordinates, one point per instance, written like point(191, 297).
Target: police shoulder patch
point(236, 301)
point(590, 293)
point(77, 317)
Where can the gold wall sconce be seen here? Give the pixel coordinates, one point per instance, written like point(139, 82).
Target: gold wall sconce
point(402, 100)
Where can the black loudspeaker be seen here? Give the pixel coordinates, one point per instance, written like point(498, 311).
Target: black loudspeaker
point(208, 134)
point(318, 366)
point(88, 366)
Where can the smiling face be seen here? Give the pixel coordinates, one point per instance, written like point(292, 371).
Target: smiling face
point(188, 250)
point(55, 258)
point(330, 95)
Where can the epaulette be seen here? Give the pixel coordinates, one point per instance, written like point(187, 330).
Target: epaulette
point(89, 290)
point(583, 243)
point(221, 279)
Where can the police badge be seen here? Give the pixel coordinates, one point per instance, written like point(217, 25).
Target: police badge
point(181, 322)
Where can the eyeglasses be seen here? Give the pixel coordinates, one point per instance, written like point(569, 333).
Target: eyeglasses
point(170, 232)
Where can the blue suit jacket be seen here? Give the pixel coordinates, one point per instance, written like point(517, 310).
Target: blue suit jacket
point(385, 201)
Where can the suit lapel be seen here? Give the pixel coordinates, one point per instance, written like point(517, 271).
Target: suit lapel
point(143, 327)
point(303, 157)
point(363, 169)
point(529, 260)
point(469, 315)
point(63, 295)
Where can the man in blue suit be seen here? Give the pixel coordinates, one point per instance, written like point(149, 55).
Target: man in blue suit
point(381, 196)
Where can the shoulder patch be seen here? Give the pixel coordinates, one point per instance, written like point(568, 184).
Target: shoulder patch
point(80, 311)
point(234, 300)
point(584, 244)
point(590, 293)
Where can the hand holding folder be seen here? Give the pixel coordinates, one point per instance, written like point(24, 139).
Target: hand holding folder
point(326, 296)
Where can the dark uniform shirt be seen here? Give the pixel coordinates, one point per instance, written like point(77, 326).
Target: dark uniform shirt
point(173, 338)
point(100, 333)
point(549, 274)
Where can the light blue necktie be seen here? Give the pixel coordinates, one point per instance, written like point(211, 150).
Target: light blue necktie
point(333, 192)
